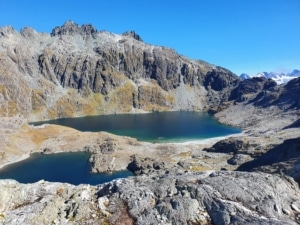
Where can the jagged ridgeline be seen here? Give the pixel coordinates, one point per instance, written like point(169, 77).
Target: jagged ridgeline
point(79, 71)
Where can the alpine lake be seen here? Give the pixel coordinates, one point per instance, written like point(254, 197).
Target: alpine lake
point(74, 168)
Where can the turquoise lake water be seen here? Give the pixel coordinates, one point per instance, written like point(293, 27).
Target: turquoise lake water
point(153, 127)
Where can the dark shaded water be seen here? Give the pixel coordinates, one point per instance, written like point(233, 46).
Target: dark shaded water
point(71, 168)
point(153, 127)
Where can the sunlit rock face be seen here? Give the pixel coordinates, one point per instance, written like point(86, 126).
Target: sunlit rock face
point(182, 199)
point(77, 71)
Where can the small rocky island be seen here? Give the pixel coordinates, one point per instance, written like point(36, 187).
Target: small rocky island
point(250, 178)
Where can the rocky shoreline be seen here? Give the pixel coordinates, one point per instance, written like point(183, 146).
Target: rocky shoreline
point(188, 166)
point(114, 153)
point(103, 146)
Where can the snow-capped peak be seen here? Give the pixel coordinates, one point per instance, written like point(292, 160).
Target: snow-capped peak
point(280, 78)
point(261, 74)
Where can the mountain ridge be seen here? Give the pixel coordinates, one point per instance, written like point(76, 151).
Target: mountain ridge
point(79, 71)
point(280, 78)
point(106, 73)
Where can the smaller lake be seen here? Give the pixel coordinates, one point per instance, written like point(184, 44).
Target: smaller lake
point(177, 126)
point(73, 168)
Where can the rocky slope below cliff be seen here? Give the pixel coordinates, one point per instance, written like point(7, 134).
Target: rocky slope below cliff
point(78, 71)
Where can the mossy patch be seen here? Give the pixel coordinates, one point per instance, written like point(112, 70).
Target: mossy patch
point(12, 109)
point(39, 135)
point(199, 168)
point(2, 90)
point(51, 114)
point(123, 98)
point(37, 101)
point(185, 154)
point(154, 98)
point(65, 108)
point(93, 105)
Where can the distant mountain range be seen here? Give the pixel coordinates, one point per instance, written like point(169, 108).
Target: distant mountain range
point(280, 78)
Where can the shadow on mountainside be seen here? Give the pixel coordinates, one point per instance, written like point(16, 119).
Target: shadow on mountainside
point(282, 159)
point(262, 92)
point(285, 97)
point(295, 124)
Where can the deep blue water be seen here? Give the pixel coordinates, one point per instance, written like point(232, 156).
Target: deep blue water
point(73, 168)
point(153, 127)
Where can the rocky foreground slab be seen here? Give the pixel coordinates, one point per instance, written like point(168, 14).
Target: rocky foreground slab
point(209, 197)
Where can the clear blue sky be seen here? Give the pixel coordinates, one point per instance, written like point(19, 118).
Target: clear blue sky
point(242, 35)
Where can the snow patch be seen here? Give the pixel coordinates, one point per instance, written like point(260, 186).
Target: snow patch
point(279, 78)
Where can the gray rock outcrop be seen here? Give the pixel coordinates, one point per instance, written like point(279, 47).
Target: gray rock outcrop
point(78, 71)
point(101, 158)
point(242, 198)
point(145, 165)
point(282, 159)
point(234, 146)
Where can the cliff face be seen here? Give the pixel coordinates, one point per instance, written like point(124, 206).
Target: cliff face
point(77, 71)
